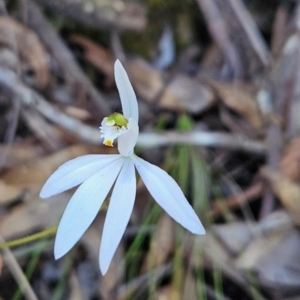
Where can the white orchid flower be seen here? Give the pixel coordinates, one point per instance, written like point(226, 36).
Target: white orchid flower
point(98, 173)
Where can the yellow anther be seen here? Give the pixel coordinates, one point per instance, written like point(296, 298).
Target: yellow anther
point(109, 143)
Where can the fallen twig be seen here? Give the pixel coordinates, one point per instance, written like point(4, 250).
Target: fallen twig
point(251, 31)
point(11, 129)
point(45, 132)
point(103, 14)
point(11, 86)
point(10, 83)
point(17, 273)
point(220, 34)
point(201, 138)
point(60, 51)
point(234, 201)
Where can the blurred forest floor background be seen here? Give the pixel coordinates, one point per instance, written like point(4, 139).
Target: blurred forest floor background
point(218, 83)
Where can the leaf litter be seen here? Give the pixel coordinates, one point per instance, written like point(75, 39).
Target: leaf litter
point(234, 82)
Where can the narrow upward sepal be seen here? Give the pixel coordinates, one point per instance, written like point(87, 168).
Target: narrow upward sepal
point(127, 94)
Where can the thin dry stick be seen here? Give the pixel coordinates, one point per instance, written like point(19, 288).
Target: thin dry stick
point(101, 14)
point(11, 129)
point(279, 30)
point(46, 133)
point(14, 88)
point(64, 56)
point(251, 31)
point(239, 199)
point(16, 103)
point(217, 28)
point(17, 273)
point(201, 138)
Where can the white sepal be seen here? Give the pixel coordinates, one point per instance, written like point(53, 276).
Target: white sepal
point(127, 94)
point(84, 206)
point(74, 172)
point(127, 141)
point(168, 195)
point(118, 214)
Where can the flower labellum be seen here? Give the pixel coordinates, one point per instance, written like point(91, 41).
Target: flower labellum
point(112, 127)
point(96, 174)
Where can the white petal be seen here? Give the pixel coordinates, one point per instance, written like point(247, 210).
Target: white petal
point(127, 94)
point(84, 206)
point(168, 195)
point(74, 172)
point(118, 215)
point(127, 141)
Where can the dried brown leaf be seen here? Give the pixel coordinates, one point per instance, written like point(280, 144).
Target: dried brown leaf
point(8, 193)
point(245, 232)
point(16, 154)
point(279, 267)
point(241, 232)
point(29, 47)
point(181, 94)
point(258, 248)
point(236, 97)
point(186, 94)
point(33, 215)
point(290, 161)
point(147, 81)
point(287, 190)
point(97, 55)
point(276, 221)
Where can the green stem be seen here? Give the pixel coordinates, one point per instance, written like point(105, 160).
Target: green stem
point(29, 238)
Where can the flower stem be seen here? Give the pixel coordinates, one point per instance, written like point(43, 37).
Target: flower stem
point(30, 238)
